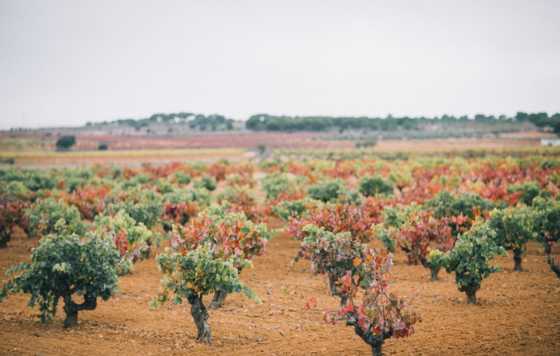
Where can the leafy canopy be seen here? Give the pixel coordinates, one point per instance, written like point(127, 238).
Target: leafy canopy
point(49, 216)
point(62, 266)
point(197, 272)
point(471, 256)
point(370, 186)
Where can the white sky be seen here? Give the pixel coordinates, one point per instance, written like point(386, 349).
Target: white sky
point(68, 62)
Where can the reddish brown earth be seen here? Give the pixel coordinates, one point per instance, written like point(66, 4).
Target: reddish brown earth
point(250, 140)
point(85, 141)
point(518, 314)
point(214, 140)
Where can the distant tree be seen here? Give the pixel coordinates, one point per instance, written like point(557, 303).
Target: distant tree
point(521, 116)
point(555, 123)
point(65, 142)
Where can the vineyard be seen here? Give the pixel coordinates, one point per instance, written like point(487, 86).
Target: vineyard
point(322, 254)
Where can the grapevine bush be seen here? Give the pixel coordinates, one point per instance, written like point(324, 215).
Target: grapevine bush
point(133, 240)
point(239, 199)
point(526, 192)
point(470, 259)
point(371, 186)
point(51, 216)
point(331, 254)
point(180, 205)
point(352, 266)
point(12, 214)
point(89, 201)
point(328, 191)
point(513, 228)
point(207, 183)
point(469, 205)
point(230, 235)
point(144, 206)
point(547, 228)
point(337, 218)
point(276, 184)
point(66, 266)
point(193, 275)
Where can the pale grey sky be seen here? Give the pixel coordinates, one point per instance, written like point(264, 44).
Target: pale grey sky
point(68, 62)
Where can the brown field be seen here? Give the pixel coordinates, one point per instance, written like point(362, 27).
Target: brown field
point(454, 144)
point(519, 314)
point(38, 151)
point(45, 159)
point(247, 140)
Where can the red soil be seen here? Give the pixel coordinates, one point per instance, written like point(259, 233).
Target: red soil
point(518, 314)
point(212, 140)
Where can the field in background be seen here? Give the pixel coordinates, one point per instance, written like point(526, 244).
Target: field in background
point(128, 157)
point(39, 150)
point(438, 145)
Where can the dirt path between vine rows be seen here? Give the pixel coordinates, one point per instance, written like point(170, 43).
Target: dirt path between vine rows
point(519, 314)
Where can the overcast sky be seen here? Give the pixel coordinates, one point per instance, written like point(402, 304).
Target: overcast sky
point(68, 62)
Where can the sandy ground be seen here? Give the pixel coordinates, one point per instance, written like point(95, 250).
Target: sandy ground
point(518, 314)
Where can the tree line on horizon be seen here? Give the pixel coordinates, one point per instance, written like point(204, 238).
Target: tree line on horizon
point(287, 123)
point(200, 122)
point(266, 122)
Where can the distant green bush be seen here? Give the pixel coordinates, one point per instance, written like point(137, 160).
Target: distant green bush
point(65, 143)
point(370, 186)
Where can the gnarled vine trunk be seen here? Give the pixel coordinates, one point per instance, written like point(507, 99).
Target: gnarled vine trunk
point(375, 341)
point(411, 256)
point(471, 295)
point(5, 235)
point(555, 267)
point(331, 283)
point(218, 299)
point(4, 238)
point(220, 296)
point(517, 259)
point(547, 248)
point(331, 280)
point(376, 349)
point(200, 317)
point(71, 309)
point(343, 299)
point(434, 273)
